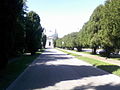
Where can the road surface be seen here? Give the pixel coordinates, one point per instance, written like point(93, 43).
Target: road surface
point(55, 70)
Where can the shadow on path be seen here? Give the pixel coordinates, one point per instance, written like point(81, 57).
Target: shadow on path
point(42, 74)
point(109, 68)
point(100, 87)
point(52, 74)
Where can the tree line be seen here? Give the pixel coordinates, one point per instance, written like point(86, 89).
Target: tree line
point(20, 31)
point(102, 30)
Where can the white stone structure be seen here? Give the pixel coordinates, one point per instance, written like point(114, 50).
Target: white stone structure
point(51, 36)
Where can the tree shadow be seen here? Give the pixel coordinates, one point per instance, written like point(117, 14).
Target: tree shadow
point(48, 50)
point(109, 68)
point(42, 73)
point(109, 86)
point(43, 58)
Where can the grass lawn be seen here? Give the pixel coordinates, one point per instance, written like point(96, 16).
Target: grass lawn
point(114, 69)
point(15, 68)
point(114, 58)
point(85, 52)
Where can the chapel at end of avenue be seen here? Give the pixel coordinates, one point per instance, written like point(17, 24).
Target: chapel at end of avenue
point(51, 36)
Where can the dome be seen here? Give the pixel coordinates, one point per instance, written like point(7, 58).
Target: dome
point(52, 34)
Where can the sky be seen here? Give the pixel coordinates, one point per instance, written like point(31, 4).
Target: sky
point(64, 16)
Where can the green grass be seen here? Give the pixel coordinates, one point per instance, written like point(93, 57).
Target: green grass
point(85, 52)
point(15, 68)
point(114, 69)
point(117, 58)
point(114, 58)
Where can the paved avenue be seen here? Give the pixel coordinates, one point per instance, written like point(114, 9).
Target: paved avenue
point(55, 70)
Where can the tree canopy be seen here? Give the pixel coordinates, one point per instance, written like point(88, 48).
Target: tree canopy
point(20, 31)
point(102, 30)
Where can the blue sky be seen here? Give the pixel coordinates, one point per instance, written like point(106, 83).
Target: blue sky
point(65, 16)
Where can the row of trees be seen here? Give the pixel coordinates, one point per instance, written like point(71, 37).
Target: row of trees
point(19, 31)
point(102, 30)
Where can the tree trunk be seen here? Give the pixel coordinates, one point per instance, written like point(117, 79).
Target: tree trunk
point(94, 50)
point(79, 48)
point(107, 52)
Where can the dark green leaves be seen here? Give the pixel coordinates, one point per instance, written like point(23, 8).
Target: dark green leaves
point(102, 29)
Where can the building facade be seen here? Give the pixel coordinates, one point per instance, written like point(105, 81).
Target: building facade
point(51, 36)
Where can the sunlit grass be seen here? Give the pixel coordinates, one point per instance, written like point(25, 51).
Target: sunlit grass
point(115, 58)
point(114, 69)
point(90, 53)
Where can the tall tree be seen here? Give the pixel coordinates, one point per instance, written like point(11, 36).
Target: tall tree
point(95, 27)
point(10, 10)
point(110, 34)
point(44, 39)
point(33, 32)
point(19, 46)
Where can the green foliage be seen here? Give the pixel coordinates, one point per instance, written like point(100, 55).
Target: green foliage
point(89, 33)
point(19, 30)
point(110, 24)
point(33, 32)
point(11, 10)
point(68, 41)
point(102, 30)
point(44, 38)
point(19, 44)
point(59, 43)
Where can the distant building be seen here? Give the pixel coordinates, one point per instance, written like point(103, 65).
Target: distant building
point(51, 36)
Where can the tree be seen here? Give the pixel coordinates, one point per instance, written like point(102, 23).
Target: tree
point(68, 41)
point(102, 29)
point(8, 18)
point(59, 42)
point(33, 32)
point(110, 34)
point(95, 27)
point(19, 44)
point(44, 39)
point(78, 41)
point(83, 37)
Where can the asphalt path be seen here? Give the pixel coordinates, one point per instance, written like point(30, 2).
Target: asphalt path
point(55, 70)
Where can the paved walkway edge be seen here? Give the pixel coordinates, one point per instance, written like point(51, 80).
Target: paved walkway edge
point(91, 64)
point(110, 61)
point(19, 76)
